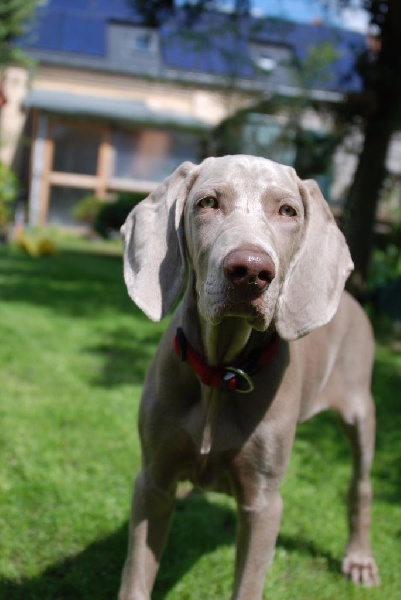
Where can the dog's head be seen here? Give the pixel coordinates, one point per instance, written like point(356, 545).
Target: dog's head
point(263, 245)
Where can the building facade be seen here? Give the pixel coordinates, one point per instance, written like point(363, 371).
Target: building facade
point(113, 105)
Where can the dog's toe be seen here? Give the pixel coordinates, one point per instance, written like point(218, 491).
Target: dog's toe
point(361, 569)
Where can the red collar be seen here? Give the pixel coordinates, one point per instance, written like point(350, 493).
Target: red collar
point(236, 377)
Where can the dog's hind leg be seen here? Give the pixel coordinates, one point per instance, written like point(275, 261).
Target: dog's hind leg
point(358, 563)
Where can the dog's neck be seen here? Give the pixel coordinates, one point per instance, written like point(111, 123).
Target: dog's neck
point(219, 344)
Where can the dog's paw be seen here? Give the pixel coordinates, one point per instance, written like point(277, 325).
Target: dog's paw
point(361, 569)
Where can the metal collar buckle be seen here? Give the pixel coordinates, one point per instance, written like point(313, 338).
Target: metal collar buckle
point(244, 383)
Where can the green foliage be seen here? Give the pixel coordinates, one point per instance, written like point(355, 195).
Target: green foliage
point(15, 16)
point(86, 209)
point(8, 193)
point(112, 215)
point(73, 356)
point(314, 69)
point(314, 152)
point(153, 12)
point(385, 266)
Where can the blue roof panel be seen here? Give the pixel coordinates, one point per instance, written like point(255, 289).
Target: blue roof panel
point(214, 43)
point(119, 8)
point(77, 26)
point(211, 46)
point(228, 52)
point(46, 34)
point(67, 33)
point(84, 35)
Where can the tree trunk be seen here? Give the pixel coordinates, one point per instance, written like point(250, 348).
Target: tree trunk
point(385, 92)
point(362, 201)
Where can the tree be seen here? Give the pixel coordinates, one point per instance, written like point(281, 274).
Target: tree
point(15, 17)
point(154, 12)
point(381, 109)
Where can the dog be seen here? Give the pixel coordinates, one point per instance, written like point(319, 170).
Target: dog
point(263, 338)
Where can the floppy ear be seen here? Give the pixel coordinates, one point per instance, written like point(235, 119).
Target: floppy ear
point(154, 258)
point(317, 273)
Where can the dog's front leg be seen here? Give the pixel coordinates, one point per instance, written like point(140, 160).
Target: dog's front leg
point(150, 516)
point(258, 527)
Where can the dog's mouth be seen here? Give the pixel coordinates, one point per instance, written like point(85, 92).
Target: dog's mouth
point(249, 294)
point(246, 302)
point(254, 307)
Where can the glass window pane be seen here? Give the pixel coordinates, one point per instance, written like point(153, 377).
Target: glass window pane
point(150, 154)
point(62, 201)
point(75, 149)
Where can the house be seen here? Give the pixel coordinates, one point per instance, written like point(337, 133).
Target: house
point(113, 105)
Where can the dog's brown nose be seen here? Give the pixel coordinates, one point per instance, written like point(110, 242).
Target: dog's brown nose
point(249, 265)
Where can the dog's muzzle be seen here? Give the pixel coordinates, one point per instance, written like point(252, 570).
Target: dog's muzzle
point(249, 270)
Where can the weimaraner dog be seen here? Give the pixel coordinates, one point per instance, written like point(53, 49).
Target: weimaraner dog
point(263, 338)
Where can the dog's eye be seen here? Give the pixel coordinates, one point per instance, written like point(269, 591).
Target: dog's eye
point(208, 202)
point(286, 210)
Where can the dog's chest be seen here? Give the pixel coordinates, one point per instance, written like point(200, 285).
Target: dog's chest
point(224, 427)
point(213, 471)
point(233, 452)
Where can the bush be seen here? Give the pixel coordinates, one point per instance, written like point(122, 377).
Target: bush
point(111, 215)
point(384, 281)
point(8, 193)
point(86, 209)
point(385, 266)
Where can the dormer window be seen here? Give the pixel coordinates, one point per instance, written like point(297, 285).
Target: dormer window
point(132, 43)
point(135, 39)
point(142, 40)
point(269, 57)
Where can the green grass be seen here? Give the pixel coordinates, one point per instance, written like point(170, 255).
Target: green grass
point(73, 352)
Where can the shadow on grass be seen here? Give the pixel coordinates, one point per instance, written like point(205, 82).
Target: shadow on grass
point(95, 572)
point(198, 528)
point(125, 357)
point(310, 548)
point(74, 283)
point(387, 393)
point(79, 284)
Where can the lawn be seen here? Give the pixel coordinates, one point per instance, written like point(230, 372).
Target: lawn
point(73, 352)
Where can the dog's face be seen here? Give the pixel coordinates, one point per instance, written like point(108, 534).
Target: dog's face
point(243, 223)
point(263, 245)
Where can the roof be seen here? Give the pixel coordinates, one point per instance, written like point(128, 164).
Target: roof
point(215, 45)
point(130, 111)
point(76, 26)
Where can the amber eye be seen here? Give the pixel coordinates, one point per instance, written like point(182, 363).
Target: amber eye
point(208, 202)
point(286, 210)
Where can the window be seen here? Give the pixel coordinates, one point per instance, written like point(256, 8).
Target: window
point(136, 41)
point(273, 61)
point(151, 154)
point(265, 62)
point(62, 202)
point(142, 41)
point(133, 46)
point(75, 148)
